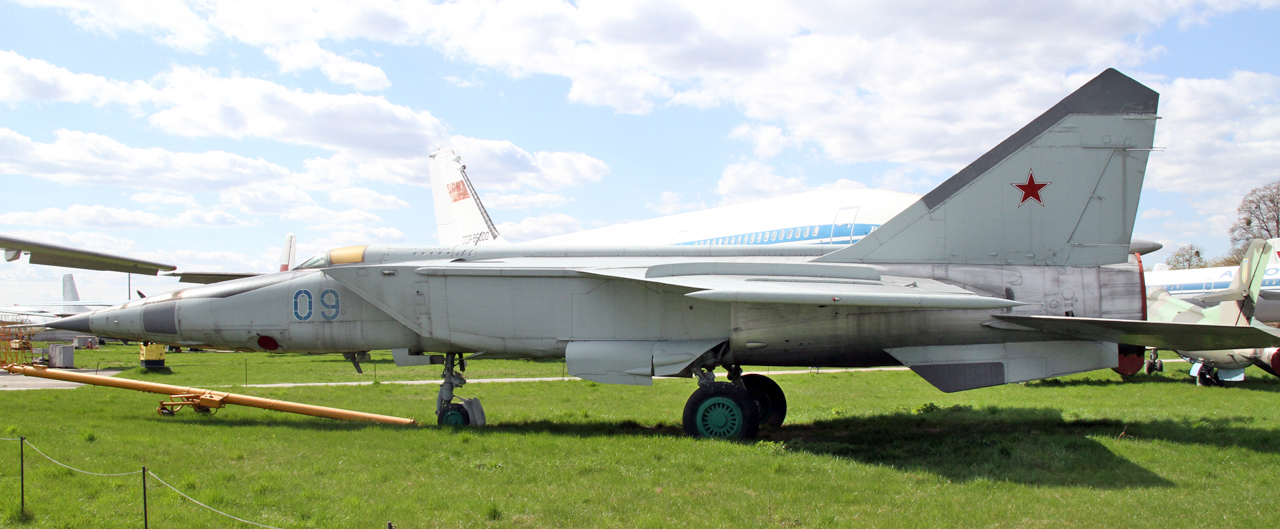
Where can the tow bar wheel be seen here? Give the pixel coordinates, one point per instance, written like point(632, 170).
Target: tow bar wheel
point(721, 411)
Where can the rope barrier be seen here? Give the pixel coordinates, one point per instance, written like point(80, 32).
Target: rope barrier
point(193, 500)
point(152, 474)
point(56, 462)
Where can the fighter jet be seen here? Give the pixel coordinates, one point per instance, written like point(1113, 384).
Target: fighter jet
point(1235, 305)
point(1016, 268)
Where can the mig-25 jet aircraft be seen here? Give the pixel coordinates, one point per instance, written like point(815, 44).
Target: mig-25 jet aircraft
point(1016, 268)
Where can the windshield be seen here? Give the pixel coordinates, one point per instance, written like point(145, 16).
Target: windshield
point(321, 260)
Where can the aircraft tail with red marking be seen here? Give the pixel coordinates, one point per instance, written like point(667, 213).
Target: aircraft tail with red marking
point(1061, 191)
point(460, 217)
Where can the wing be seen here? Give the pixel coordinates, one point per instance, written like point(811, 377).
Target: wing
point(54, 255)
point(807, 284)
point(1164, 335)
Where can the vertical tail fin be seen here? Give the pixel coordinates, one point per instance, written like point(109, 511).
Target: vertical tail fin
point(69, 293)
point(1061, 191)
point(289, 254)
point(460, 217)
point(1238, 301)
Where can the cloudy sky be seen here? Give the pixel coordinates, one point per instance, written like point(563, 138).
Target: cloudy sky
point(201, 132)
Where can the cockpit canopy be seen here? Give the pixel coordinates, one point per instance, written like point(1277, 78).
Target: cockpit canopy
point(347, 255)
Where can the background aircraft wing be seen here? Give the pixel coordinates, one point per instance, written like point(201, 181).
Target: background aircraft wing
point(54, 255)
point(807, 284)
point(1164, 335)
point(205, 278)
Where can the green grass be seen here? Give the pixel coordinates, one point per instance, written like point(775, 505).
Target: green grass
point(880, 449)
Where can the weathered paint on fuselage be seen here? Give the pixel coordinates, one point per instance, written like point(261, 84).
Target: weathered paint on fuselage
point(534, 305)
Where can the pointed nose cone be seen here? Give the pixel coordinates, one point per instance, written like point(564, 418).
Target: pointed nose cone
point(79, 323)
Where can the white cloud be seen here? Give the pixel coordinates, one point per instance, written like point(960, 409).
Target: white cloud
point(172, 23)
point(163, 198)
point(366, 199)
point(351, 220)
point(503, 166)
point(539, 227)
point(767, 140)
point(669, 203)
point(85, 158)
point(1222, 138)
point(99, 216)
point(23, 79)
point(741, 182)
point(1154, 213)
point(462, 83)
point(298, 56)
point(536, 200)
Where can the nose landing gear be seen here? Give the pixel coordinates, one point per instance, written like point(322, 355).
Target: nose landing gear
point(466, 412)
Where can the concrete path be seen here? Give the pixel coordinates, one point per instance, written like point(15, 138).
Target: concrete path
point(15, 382)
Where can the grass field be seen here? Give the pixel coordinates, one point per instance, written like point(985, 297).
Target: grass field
point(879, 449)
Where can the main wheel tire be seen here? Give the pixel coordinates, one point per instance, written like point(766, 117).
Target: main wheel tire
point(454, 415)
point(1160, 365)
point(771, 402)
point(721, 411)
point(1148, 367)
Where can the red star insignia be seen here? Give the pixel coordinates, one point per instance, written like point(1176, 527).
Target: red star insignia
point(1031, 189)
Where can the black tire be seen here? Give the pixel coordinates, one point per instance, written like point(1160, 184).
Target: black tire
point(454, 415)
point(164, 412)
point(771, 402)
point(1160, 365)
point(721, 411)
point(1148, 367)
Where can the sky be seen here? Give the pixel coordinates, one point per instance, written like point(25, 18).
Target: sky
point(200, 132)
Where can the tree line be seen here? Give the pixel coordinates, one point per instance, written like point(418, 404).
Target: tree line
point(1258, 218)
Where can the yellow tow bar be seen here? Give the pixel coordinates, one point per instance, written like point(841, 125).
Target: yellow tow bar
point(201, 400)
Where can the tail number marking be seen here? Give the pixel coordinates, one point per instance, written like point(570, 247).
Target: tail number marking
point(302, 305)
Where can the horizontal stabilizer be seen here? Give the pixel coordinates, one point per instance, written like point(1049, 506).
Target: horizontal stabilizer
point(1163, 335)
point(953, 368)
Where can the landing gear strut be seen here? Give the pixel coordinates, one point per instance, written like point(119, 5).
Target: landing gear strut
point(467, 412)
point(1153, 363)
point(1207, 376)
point(735, 409)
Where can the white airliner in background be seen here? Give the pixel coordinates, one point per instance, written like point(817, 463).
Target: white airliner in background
point(838, 216)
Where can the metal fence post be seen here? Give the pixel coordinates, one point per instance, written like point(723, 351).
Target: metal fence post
point(144, 498)
point(22, 474)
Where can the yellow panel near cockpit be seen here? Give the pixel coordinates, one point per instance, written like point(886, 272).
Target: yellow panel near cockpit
point(350, 254)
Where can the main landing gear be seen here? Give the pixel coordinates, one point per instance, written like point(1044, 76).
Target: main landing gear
point(466, 412)
point(1153, 363)
point(735, 409)
point(1206, 376)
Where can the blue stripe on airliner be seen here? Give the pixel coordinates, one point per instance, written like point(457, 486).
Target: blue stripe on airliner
point(819, 234)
